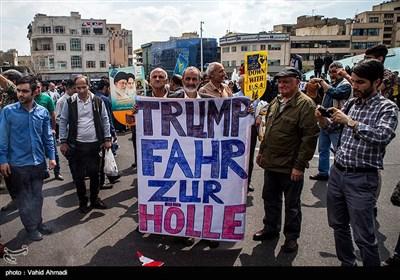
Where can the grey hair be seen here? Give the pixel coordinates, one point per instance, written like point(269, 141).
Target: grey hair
point(192, 68)
point(211, 67)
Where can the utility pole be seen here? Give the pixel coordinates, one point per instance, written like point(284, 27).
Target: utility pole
point(201, 47)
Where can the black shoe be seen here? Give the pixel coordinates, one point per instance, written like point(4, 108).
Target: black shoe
point(265, 235)
point(290, 246)
point(106, 186)
point(12, 205)
point(319, 177)
point(114, 179)
point(43, 229)
point(83, 208)
point(250, 188)
point(188, 241)
point(35, 235)
point(392, 261)
point(375, 211)
point(212, 243)
point(46, 175)
point(98, 204)
point(134, 165)
point(58, 177)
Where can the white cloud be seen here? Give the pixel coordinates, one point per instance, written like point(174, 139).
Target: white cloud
point(158, 20)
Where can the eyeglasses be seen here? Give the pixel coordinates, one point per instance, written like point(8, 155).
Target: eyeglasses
point(23, 90)
point(161, 77)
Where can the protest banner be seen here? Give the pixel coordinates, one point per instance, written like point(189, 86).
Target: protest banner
point(256, 69)
point(192, 166)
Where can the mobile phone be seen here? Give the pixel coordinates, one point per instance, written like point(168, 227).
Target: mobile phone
point(324, 112)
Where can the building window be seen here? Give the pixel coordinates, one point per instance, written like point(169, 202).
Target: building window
point(90, 64)
point(103, 64)
point(388, 22)
point(233, 63)
point(225, 49)
point(62, 64)
point(73, 31)
point(388, 16)
point(59, 30)
point(274, 47)
point(275, 62)
point(254, 48)
point(75, 45)
point(102, 47)
point(225, 63)
point(98, 31)
point(262, 47)
point(374, 19)
point(85, 31)
point(46, 47)
point(89, 47)
point(44, 29)
point(366, 32)
point(244, 48)
point(233, 49)
point(61, 47)
point(76, 61)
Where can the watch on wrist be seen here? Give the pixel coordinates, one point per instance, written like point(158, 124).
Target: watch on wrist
point(351, 123)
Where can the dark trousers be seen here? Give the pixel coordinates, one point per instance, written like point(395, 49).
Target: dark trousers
point(133, 130)
point(276, 185)
point(86, 162)
point(253, 142)
point(350, 206)
point(28, 182)
point(10, 187)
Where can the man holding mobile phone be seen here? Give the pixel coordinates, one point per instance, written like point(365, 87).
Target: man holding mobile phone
point(335, 96)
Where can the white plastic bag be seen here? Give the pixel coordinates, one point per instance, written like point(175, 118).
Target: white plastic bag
point(110, 166)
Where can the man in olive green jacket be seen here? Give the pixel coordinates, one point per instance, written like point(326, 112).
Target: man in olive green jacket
point(290, 139)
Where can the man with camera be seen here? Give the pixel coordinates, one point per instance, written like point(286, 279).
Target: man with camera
point(335, 96)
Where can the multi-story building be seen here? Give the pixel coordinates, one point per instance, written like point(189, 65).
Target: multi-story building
point(235, 45)
point(381, 25)
point(313, 35)
point(165, 54)
point(63, 47)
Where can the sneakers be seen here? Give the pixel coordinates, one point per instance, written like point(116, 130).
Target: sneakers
point(392, 261)
point(319, 177)
point(98, 204)
point(58, 177)
point(35, 235)
point(11, 206)
point(43, 229)
point(290, 246)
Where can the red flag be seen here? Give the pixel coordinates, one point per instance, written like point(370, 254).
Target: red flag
point(147, 261)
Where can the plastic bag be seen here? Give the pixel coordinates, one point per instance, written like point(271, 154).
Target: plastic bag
point(110, 166)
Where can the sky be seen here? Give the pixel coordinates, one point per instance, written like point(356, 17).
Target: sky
point(158, 20)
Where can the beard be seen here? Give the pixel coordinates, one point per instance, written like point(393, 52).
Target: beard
point(190, 88)
point(364, 94)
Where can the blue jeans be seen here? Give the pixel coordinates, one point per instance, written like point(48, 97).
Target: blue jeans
point(325, 141)
point(350, 207)
point(28, 182)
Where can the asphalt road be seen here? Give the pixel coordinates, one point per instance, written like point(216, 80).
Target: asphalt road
point(108, 237)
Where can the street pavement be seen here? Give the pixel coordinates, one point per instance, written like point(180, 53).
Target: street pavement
point(108, 237)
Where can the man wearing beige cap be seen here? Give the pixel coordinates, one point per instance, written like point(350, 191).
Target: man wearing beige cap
point(291, 136)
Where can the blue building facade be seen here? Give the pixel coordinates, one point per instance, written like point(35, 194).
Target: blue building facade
point(165, 54)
